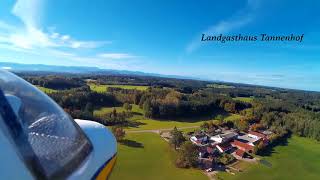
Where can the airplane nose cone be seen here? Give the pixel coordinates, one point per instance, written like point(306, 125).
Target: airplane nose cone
point(104, 147)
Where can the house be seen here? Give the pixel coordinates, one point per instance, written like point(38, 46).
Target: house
point(210, 150)
point(256, 135)
point(240, 153)
point(199, 139)
point(221, 138)
point(223, 147)
point(251, 140)
point(242, 146)
point(204, 152)
point(267, 132)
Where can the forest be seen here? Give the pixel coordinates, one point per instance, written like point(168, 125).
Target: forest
point(280, 110)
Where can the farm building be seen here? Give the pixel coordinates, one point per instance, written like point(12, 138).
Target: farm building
point(199, 139)
point(221, 138)
point(242, 146)
point(223, 147)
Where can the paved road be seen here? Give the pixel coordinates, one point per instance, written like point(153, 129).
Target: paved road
point(159, 130)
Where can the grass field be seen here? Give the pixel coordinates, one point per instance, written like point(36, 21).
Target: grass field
point(103, 88)
point(146, 123)
point(149, 157)
point(46, 90)
point(300, 159)
point(219, 86)
point(103, 110)
point(150, 124)
point(244, 99)
point(233, 117)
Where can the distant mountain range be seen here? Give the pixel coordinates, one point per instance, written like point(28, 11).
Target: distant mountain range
point(41, 68)
point(16, 67)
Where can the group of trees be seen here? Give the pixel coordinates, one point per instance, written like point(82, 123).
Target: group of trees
point(56, 82)
point(118, 132)
point(114, 118)
point(131, 96)
point(226, 158)
point(170, 104)
point(187, 153)
point(177, 138)
point(280, 110)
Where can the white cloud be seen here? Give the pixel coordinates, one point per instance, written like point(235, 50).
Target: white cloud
point(65, 37)
point(116, 56)
point(32, 36)
point(28, 11)
point(6, 68)
point(29, 39)
point(54, 35)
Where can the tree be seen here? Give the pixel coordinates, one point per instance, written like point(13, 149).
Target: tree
point(127, 106)
point(242, 124)
point(177, 138)
point(187, 155)
point(147, 108)
point(230, 107)
point(220, 119)
point(114, 113)
point(259, 147)
point(89, 109)
point(257, 127)
point(204, 125)
point(118, 132)
point(226, 159)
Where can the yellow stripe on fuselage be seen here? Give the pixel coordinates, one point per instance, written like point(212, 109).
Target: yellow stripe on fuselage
point(105, 172)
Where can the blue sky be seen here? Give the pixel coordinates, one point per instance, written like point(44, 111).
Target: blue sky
point(164, 37)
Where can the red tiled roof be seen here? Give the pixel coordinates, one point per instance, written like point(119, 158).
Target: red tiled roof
point(257, 134)
point(240, 153)
point(209, 150)
point(242, 145)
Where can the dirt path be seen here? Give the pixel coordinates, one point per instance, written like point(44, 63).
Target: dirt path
point(157, 131)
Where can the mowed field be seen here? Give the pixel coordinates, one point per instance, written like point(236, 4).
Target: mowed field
point(152, 124)
point(298, 160)
point(135, 109)
point(244, 99)
point(103, 88)
point(147, 156)
point(46, 90)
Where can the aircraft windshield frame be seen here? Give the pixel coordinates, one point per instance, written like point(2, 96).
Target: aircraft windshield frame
point(28, 136)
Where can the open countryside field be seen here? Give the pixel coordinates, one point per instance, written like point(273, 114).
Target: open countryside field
point(135, 110)
point(149, 157)
point(103, 88)
point(299, 159)
point(224, 86)
point(232, 117)
point(46, 90)
point(152, 124)
point(244, 99)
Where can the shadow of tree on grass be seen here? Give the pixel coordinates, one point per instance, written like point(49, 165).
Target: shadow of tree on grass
point(131, 143)
point(270, 149)
point(134, 124)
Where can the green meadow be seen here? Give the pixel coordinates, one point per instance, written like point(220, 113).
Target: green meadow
point(224, 86)
point(46, 90)
point(244, 99)
point(103, 88)
point(299, 159)
point(147, 156)
point(152, 124)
